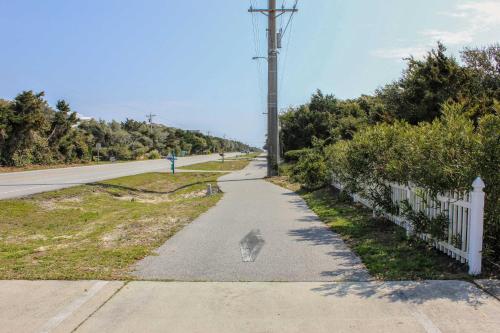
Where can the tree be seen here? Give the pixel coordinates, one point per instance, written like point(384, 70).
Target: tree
point(31, 132)
point(425, 86)
point(324, 118)
point(483, 69)
point(5, 111)
point(199, 145)
point(26, 120)
point(61, 124)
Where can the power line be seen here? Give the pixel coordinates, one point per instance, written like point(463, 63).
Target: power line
point(290, 17)
point(257, 45)
point(285, 61)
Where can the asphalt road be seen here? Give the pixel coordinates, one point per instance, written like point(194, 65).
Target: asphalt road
point(257, 232)
point(18, 184)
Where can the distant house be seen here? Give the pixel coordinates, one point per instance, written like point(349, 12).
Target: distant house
point(80, 119)
point(83, 118)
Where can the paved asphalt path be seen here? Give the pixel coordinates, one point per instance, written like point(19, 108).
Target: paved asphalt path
point(257, 232)
point(18, 184)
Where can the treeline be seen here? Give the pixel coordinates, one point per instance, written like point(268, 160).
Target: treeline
point(437, 127)
point(32, 132)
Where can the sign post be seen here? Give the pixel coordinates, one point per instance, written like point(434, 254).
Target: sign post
point(98, 147)
point(172, 159)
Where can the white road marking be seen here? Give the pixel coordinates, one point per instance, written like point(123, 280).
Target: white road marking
point(251, 245)
point(72, 307)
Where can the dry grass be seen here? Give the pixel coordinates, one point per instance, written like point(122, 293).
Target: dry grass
point(98, 231)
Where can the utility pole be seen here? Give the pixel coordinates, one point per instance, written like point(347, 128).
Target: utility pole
point(273, 141)
point(150, 117)
point(272, 90)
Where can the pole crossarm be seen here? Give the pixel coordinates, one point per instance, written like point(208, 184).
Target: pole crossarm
point(281, 11)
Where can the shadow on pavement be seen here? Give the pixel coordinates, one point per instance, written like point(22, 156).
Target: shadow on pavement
point(409, 291)
point(317, 235)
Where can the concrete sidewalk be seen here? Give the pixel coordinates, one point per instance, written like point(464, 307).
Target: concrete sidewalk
point(220, 307)
point(50, 306)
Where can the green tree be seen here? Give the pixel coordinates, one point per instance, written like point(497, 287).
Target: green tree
point(424, 87)
point(26, 121)
point(61, 124)
point(483, 85)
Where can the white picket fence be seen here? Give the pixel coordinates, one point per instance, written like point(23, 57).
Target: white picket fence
point(464, 211)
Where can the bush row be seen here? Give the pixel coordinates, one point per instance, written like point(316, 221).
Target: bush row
point(446, 154)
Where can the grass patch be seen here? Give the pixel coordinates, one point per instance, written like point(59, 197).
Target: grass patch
point(227, 165)
point(97, 231)
point(249, 157)
point(382, 245)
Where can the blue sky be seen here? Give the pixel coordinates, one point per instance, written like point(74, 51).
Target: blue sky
point(190, 63)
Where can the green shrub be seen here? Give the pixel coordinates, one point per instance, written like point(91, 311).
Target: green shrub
point(488, 167)
point(154, 155)
point(445, 155)
point(311, 170)
point(294, 155)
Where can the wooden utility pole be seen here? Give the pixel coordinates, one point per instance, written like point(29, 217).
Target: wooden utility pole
point(150, 117)
point(272, 91)
point(273, 141)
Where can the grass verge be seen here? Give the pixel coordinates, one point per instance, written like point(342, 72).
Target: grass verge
point(97, 231)
point(227, 165)
point(382, 245)
point(249, 156)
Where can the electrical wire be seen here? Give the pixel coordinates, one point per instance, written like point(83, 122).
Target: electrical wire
point(257, 44)
point(291, 16)
point(281, 16)
point(283, 67)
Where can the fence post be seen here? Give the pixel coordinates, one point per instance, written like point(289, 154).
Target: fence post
point(476, 227)
point(408, 225)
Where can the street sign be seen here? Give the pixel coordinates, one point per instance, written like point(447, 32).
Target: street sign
point(172, 159)
point(98, 147)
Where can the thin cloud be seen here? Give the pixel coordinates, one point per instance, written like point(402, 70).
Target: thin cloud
point(477, 17)
point(400, 53)
point(449, 37)
point(482, 13)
